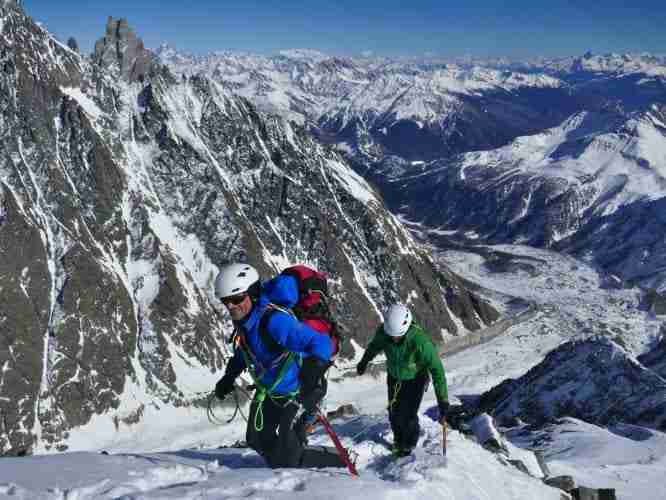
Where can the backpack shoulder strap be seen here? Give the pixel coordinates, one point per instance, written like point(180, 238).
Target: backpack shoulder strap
point(272, 344)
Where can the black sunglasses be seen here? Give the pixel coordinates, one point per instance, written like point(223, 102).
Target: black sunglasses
point(233, 299)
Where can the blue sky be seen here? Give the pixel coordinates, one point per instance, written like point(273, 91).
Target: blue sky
point(416, 27)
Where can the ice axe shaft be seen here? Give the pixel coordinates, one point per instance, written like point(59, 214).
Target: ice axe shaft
point(342, 451)
point(444, 432)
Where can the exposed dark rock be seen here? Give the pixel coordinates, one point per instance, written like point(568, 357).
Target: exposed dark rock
point(655, 302)
point(24, 307)
point(347, 410)
point(655, 358)
point(121, 48)
point(73, 44)
point(520, 465)
point(584, 493)
point(565, 483)
point(594, 380)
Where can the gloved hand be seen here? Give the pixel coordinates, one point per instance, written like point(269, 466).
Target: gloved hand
point(313, 383)
point(360, 368)
point(313, 369)
point(223, 388)
point(443, 410)
point(302, 426)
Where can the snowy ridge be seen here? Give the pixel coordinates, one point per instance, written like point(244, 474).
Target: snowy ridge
point(612, 63)
point(471, 473)
point(597, 65)
point(595, 150)
point(593, 380)
point(307, 84)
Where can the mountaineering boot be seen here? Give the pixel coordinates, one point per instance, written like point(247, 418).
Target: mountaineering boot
point(305, 425)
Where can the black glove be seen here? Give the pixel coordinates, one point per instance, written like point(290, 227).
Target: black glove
point(360, 368)
point(313, 382)
point(313, 369)
point(224, 387)
point(443, 410)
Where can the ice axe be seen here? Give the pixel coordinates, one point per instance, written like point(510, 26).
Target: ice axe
point(444, 433)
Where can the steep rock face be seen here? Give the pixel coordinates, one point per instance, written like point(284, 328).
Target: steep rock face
point(121, 46)
point(24, 285)
point(655, 359)
point(120, 198)
point(593, 380)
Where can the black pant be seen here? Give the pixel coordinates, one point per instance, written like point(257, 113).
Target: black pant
point(403, 412)
point(277, 441)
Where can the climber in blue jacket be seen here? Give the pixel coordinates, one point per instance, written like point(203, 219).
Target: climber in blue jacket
point(270, 343)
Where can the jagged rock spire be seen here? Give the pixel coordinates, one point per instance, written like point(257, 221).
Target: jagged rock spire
point(122, 47)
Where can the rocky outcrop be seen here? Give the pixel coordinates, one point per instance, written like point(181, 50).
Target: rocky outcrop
point(73, 44)
point(655, 302)
point(655, 358)
point(122, 48)
point(593, 380)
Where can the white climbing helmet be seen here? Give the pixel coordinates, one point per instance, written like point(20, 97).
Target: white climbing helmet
point(234, 279)
point(397, 320)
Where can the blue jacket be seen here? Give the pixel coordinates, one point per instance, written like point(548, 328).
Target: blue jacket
point(287, 331)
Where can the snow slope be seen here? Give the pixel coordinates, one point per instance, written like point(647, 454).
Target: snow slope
point(625, 160)
point(472, 473)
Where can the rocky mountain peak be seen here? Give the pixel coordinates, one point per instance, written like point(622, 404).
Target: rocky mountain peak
point(11, 3)
point(594, 380)
point(120, 47)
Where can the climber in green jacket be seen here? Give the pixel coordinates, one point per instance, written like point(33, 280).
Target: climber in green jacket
point(410, 358)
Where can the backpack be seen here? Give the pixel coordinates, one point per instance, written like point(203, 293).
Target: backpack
point(308, 303)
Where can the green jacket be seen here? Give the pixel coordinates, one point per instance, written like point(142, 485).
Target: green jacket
point(409, 358)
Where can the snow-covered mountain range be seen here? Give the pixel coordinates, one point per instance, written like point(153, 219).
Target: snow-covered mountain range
point(377, 105)
point(593, 186)
point(611, 64)
point(565, 152)
point(383, 106)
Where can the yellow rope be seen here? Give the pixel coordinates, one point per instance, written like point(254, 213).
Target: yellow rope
point(398, 386)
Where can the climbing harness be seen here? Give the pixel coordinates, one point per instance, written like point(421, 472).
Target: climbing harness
point(284, 361)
